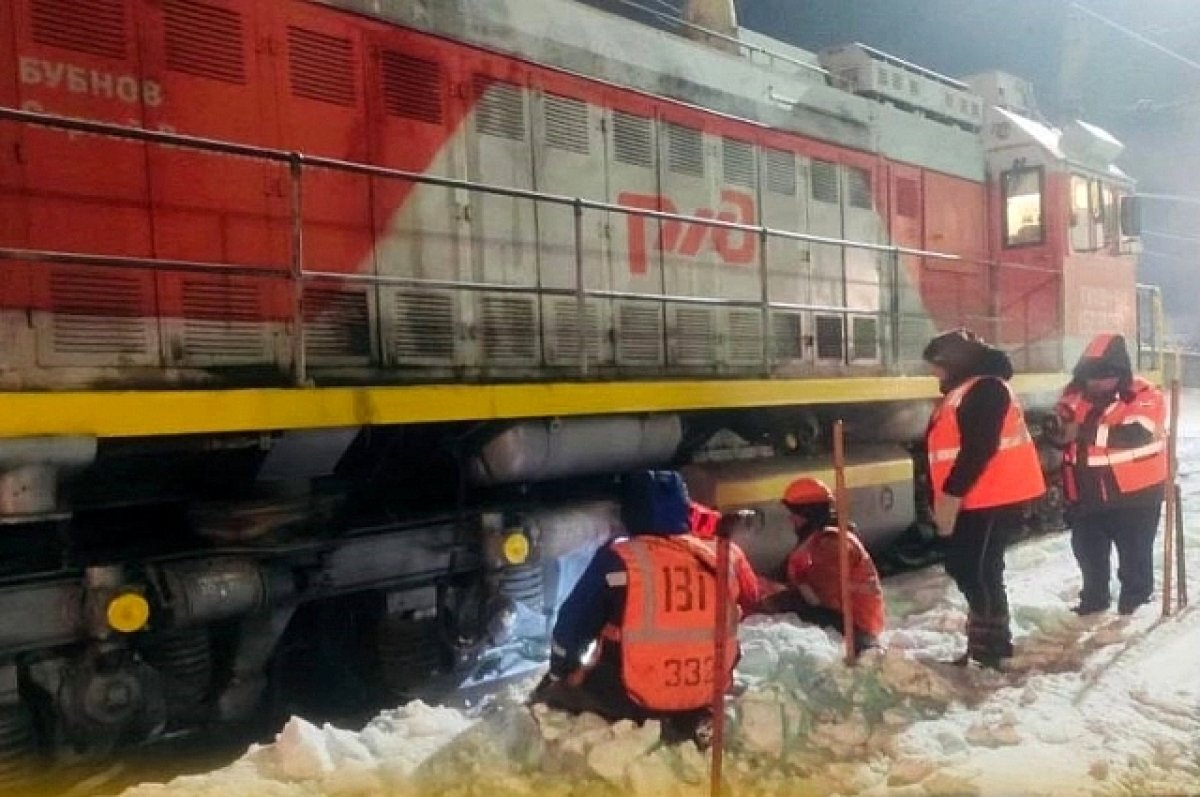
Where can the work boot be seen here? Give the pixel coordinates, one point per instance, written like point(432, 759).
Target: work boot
point(1087, 609)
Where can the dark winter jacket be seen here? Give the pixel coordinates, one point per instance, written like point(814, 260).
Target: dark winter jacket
point(654, 503)
point(983, 408)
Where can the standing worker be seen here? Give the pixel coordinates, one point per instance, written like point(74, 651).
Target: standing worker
point(983, 469)
point(649, 600)
point(1111, 428)
point(813, 588)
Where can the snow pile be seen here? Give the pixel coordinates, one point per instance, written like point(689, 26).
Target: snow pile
point(1104, 705)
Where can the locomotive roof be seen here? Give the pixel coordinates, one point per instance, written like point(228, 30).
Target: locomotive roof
point(778, 93)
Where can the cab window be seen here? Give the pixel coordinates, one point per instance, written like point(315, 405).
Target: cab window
point(1023, 219)
point(1094, 220)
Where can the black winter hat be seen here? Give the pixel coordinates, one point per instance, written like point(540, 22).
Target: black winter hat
point(958, 351)
point(1106, 356)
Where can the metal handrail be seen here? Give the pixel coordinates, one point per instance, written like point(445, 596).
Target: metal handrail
point(297, 275)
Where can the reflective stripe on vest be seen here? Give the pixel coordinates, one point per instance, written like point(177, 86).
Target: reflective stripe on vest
point(1012, 475)
point(666, 633)
point(1133, 469)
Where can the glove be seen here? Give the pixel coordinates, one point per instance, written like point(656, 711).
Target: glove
point(1065, 412)
point(945, 514)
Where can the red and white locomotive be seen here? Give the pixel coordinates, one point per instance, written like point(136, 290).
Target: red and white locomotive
point(478, 258)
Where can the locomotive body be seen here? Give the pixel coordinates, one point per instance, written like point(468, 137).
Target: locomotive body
point(312, 312)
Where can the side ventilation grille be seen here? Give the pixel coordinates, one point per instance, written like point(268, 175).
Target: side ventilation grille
point(424, 327)
point(831, 338)
point(695, 336)
point(640, 334)
point(509, 329)
point(204, 40)
point(787, 329)
point(745, 337)
point(825, 182)
point(96, 27)
point(321, 67)
point(566, 332)
point(337, 324)
point(100, 312)
point(222, 321)
point(499, 109)
point(566, 124)
point(633, 140)
point(685, 151)
point(412, 87)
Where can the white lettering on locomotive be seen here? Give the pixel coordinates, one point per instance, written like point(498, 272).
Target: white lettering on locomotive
point(61, 76)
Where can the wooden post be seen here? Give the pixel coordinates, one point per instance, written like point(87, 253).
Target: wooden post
point(1172, 506)
point(1180, 554)
point(720, 631)
point(842, 499)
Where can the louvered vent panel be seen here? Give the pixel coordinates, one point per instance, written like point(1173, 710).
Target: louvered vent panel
point(781, 171)
point(509, 329)
point(825, 182)
point(640, 334)
point(337, 323)
point(97, 27)
point(695, 336)
point(737, 159)
point(204, 40)
point(858, 186)
point(633, 140)
point(221, 320)
point(499, 109)
point(566, 124)
point(98, 312)
point(864, 338)
point(786, 329)
point(321, 67)
point(908, 198)
point(745, 337)
point(423, 326)
point(831, 343)
point(412, 87)
point(685, 150)
point(566, 332)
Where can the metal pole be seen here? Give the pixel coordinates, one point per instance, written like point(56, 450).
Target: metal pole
point(843, 524)
point(581, 325)
point(719, 671)
point(1180, 555)
point(765, 292)
point(299, 353)
point(1172, 507)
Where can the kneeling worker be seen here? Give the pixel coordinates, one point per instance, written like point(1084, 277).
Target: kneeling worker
point(649, 600)
point(813, 590)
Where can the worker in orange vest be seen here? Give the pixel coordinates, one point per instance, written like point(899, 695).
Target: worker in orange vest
point(704, 522)
point(813, 588)
point(1112, 432)
point(649, 600)
point(983, 471)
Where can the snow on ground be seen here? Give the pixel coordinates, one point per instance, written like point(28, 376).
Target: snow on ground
point(1106, 706)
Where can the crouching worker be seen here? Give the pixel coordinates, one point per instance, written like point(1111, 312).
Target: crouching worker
point(649, 602)
point(813, 589)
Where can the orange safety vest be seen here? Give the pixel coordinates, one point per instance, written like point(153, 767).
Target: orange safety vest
point(1012, 475)
point(666, 633)
point(1132, 469)
point(813, 569)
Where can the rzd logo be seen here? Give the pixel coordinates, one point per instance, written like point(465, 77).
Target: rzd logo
point(734, 247)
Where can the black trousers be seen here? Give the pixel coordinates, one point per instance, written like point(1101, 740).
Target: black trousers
point(1131, 529)
point(974, 558)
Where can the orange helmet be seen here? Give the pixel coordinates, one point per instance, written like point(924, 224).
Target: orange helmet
point(806, 492)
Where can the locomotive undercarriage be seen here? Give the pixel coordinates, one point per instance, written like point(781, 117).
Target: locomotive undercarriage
point(157, 587)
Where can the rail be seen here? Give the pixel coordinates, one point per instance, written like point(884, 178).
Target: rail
point(297, 275)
